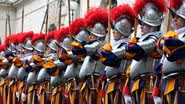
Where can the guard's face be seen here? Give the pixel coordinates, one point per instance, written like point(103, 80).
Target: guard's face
point(145, 29)
point(116, 35)
point(91, 38)
point(178, 22)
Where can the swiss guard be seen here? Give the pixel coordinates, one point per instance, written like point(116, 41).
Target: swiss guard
point(25, 45)
point(96, 21)
point(123, 21)
point(79, 33)
point(3, 75)
point(36, 64)
point(173, 65)
point(143, 49)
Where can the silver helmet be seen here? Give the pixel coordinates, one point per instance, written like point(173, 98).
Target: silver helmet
point(22, 74)
point(180, 11)
point(98, 30)
point(81, 36)
point(151, 15)
point(150, 12)
point(39, 46)
point(53, 45)
point(66, 43)
point(43, 75)
point(27, 44)
point(56, 80)
point(123, 26)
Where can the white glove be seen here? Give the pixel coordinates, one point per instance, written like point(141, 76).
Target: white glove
point(128, 99)
point(17, 95)
point(157, 100)
point(23, 97)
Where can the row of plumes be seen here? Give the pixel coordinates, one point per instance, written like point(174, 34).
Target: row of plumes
point(93, 16)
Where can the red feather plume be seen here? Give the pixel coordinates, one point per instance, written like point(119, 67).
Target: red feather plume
point(60, 34)
point(14, 39)
point(139, 4)
point(2, 47)
point(96, 15)
point(19, 39)
point(121, 10)
point(26, 35)
point(37, 37)
point(75, 26)
point(6, 41)
point(175, 3)
point(49, 36)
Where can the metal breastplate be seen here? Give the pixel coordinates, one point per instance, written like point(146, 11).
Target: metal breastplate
point(170, 67)
point(144, 66)
point(72, 71)
point(111, 71)
point(90, 67)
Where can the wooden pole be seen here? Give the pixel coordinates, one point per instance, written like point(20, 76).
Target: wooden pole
point(22, 26)
point(9, 25)
point(59, 18)
point(109, 20)
point(47, 15)
point(69, 9)
point(169, 18)
point(87, 5)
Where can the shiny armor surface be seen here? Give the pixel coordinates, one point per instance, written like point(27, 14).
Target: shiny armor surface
point(170, 67)
point(98, 30)
point(119, 51)
point(90, 67)
point(21, 71)
point(146, 64)
point(13, 71)
point(56, 80)
point(43, 75)
point(124, 27)
point(72, 71)
point(32, 77)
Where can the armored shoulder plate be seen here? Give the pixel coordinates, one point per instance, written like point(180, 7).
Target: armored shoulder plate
point(144, 66)
point(43, 75)
point(32, 77)
point(148, 42)
point(72, 71)
point(171, 67)
point(93, 47)
point(90, 67)
point(22, 74)
point(13, 71)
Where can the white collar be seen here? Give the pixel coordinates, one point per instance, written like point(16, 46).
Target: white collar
point(150, 33)
point(181, 30)
point(118, 42)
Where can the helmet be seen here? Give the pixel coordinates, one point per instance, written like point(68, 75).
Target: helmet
point(78, 30)
point(123, 19)
point(178, 8)
point(62, 38)
point(51, 42)
point(150, 11)
point(38, 42)
point(97, 22)
point(26, 40)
